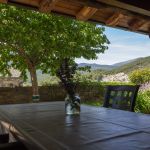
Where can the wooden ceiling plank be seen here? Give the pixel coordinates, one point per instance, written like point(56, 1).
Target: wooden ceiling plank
point(88, 3)
point(136, 24)
point(3, 1)
point(47, 6)
point(68, 5)
point(64, 10)
point(114, 19)
point(86, 13)
point(113, 5)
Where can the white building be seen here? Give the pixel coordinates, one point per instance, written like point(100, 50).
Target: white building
point(14, 81)
point(120, 77)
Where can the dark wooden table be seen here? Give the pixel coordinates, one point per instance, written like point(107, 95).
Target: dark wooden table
point(44, 126)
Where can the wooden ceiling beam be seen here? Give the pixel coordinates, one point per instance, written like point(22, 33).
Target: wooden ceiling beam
point(114, 19)
point(126, 6)
point(3, 1)
point(112, 5)
point(47, 6)
point(86, 13)
point(136, 24)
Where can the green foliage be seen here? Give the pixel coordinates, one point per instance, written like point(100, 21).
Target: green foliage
point(48, 38)
point(88, 76)
point(140, 76)
point(94, 84)
point(117, 83)
point(85, 78)
point(25, 36)
point(51, 80)
point(66, 73)
point(26, 40)
point(143, 102)
point(31, 40)
point(75, 39)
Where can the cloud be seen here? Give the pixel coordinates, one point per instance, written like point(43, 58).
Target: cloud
point(124, 46)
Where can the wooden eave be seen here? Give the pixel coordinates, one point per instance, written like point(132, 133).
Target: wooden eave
point(125, 14)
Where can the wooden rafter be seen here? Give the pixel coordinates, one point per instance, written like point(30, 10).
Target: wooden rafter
point(3, 1)
point(132, 12)
point(114, 19)
point(126, 6)
point(86, 13)
point(47, 6)
point(136, 24)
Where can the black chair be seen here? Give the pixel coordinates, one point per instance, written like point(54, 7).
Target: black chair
point(5, 143)
point(4, 138)
point(121, 96)
point(12, 146)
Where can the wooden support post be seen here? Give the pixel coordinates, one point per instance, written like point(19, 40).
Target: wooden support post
point(47, 6)
point(86, 13)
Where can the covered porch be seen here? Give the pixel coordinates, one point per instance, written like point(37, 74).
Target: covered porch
point(45, 126)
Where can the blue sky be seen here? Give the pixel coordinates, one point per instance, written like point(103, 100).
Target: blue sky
point(124, 45)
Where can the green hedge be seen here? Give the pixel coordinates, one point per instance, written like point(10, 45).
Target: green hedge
point(143, 102)
point(140, 76)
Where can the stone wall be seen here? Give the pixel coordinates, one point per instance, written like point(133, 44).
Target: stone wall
point(50, 93)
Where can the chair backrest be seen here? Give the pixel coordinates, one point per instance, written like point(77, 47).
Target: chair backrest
point(121, 96)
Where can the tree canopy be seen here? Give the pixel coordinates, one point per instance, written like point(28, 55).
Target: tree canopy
point(30, 40)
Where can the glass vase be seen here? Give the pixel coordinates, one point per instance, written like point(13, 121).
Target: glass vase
point(72, 105)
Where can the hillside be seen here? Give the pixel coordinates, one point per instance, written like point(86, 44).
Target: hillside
point(143, 62)
point(126, 66)
point(98, 70)
point(124, 62)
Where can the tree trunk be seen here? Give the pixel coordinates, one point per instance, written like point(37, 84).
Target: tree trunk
point(32, 70)
point(35, 89)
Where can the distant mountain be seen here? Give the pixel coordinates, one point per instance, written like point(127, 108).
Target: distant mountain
point(95, 66)
point(125, 66)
